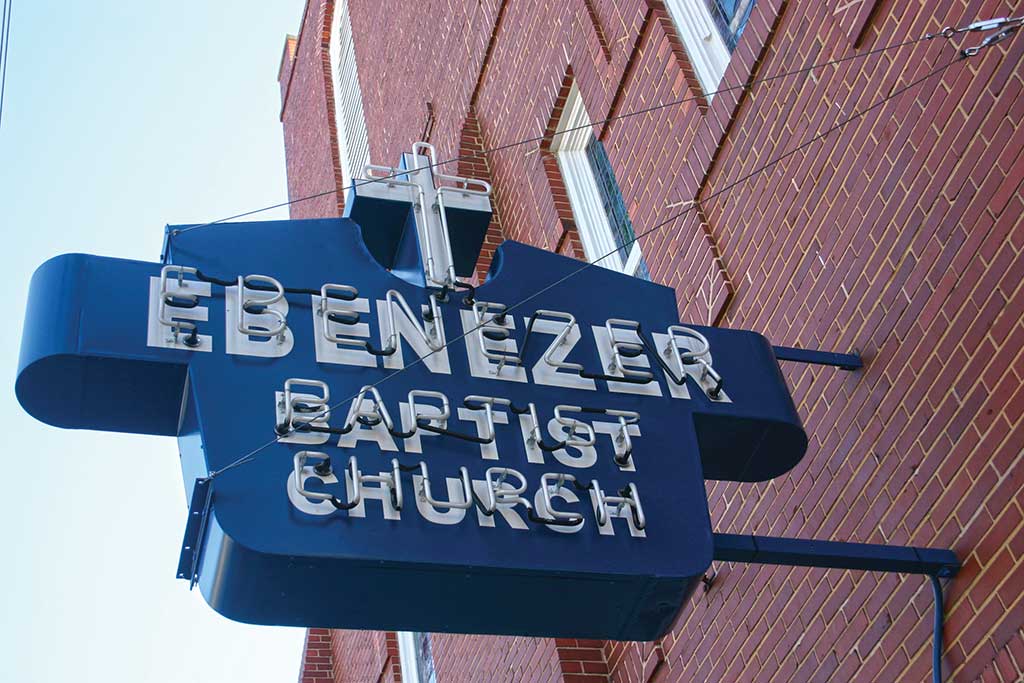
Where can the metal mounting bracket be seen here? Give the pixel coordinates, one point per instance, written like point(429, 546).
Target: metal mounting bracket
point(935, 563)
point(798, 552)
point(844, 361)
point(195, 530)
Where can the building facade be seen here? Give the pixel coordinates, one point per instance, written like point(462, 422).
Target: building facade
point(898, 236)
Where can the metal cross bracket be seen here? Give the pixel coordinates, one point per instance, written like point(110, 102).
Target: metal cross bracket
point(440, 206)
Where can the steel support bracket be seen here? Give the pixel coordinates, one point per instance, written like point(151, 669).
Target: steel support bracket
point(844, 361)
point(798, 552)
point(195, 531)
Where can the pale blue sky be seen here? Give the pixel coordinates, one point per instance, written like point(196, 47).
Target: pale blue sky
point(119, 118)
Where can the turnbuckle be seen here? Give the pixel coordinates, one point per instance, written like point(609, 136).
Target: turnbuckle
point(1004, 28)
point(991, 40)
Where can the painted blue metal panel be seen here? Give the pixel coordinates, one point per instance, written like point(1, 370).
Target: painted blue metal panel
point(384, 223)
point(84, 361)
point(85, 364)
point(469, 228)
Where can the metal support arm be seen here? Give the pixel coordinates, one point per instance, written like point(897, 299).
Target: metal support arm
point(798, 552)
point(844, 361)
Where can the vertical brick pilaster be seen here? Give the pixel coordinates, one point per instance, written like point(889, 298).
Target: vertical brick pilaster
point(325, 35)
point(661, 15)
point(391, 672)
point(636, 662)
point(854, 16)
point(317, 657)
point(629, 72)
point(602, 37)
point(582, 661)
point(567, 242)
point(307, 115)
point(473, 163)
point(285, 69)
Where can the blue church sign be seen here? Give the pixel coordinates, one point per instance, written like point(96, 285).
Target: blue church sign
point(515, 460)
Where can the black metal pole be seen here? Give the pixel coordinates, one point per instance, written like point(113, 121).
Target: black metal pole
point(937, 632)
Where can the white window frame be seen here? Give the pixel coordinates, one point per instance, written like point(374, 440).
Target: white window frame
point(704, 45)
point(570, 150)
point(408, 657)
point(349, 114)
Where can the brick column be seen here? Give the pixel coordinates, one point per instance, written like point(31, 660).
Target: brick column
point(473, 163)
point(317, 659)
point(391, 672)
point(582, 661)
point(307, 117)
point(568, 242)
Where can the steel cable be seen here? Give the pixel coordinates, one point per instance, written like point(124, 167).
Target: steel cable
point(540, 138)
point(583, 267)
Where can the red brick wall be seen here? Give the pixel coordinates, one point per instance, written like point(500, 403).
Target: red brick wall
point(491, 659)
point(901, 237)
point(412, 53)
point(331, 656)
point(307, 117)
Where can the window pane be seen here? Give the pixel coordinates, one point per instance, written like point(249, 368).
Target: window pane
point(613, 204)
point(416, 657)
point(424, 658)
point(731, 18)
point(641, 270)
